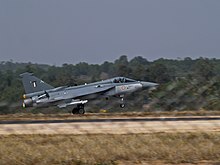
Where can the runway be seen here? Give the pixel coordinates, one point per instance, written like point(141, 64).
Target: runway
point(126, 125)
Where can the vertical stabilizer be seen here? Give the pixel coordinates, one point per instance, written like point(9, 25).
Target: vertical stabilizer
point(33, 84)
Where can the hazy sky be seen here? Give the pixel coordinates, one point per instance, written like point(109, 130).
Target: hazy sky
point(94, 31)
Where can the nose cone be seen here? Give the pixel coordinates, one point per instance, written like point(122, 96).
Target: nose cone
point(147, 85)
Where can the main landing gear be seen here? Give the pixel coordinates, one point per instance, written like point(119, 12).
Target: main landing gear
point(79, 109)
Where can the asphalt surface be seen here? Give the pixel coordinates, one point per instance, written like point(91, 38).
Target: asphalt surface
point(112, 120)
point(122, 125)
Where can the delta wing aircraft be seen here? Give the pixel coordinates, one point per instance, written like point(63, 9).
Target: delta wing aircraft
point(39, 93)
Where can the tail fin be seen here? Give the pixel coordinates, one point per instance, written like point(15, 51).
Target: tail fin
point(33, 84)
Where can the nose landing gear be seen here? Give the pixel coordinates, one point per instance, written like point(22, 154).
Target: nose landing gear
point(122, 105)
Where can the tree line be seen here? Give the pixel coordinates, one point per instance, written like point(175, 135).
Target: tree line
point(185, 84)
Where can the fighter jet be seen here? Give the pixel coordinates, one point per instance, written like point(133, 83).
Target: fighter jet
point(39, 94)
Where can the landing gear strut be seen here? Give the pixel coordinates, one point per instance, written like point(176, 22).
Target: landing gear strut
point(79, 109)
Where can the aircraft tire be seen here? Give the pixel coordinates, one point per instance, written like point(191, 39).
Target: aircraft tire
point(122, 105)
point(74, 111)
point(81, 111)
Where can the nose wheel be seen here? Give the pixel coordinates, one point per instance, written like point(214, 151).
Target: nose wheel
point(79, 109)
point(122, 105)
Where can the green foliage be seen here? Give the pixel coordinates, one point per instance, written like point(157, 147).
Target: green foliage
point(184, 84)
point(204, 69)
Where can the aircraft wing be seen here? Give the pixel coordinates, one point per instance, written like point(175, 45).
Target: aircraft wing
point(74, 96)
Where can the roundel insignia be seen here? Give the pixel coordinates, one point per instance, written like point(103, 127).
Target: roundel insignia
point(123, 87)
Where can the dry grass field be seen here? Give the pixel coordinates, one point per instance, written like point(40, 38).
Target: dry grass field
point(160, 148)
point(110, 149)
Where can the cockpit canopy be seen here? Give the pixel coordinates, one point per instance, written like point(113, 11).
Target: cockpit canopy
point(122, 80)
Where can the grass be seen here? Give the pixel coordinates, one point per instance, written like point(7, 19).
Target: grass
point(110, 149)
